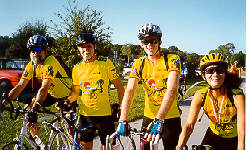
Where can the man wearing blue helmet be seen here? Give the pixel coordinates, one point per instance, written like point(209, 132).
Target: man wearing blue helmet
point(159, 73)
point(42, 72)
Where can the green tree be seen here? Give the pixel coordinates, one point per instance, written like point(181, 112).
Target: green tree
point(192, 62)
point(74, 21)
point(240, 57)
point(19, 41)
point(5, 42)
point(226, 50)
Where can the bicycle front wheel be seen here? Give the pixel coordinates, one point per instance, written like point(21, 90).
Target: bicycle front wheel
point(14, 145)
point(125, 142)
point(59, 142)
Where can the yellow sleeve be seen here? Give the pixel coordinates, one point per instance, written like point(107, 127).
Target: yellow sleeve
point(112, 73)
point(174, 62)
point(28, 73)
point(134, 73)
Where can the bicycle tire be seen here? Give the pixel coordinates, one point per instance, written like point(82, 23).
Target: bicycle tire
point(127, 142)
point(12, 146)
point(59, 142)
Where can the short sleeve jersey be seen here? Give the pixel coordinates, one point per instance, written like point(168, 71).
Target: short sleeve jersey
point(225, 123)
point(93, 78)
point(154, 82)
point(184, 70)
point(50, 69)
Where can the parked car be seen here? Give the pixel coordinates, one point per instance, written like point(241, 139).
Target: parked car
point(11, 71)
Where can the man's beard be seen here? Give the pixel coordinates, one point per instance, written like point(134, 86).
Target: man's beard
point(36, 59)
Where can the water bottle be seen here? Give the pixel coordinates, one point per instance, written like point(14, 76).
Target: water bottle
point(39, 142)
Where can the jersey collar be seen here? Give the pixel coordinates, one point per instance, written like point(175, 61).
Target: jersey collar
point(91, 59)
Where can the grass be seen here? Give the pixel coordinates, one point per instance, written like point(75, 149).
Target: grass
point(9, 128)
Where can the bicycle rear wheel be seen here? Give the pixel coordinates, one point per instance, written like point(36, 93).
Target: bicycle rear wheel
point(14, 146)
point(59, 142)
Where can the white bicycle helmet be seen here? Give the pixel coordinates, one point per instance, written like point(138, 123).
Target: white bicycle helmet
point(149, 30)
point(37, 41)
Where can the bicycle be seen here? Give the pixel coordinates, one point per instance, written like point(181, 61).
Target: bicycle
point(127, 142)
point(187, 93)
point(57, 139)
point(182, 88)
point(77, 129)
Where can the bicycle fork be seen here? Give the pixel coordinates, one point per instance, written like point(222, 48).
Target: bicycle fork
point(76, 145)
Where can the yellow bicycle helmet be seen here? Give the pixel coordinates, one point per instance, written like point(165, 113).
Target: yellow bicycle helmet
point(213, 59)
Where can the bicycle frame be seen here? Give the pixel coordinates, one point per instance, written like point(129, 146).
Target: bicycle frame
point(24, 133)
point(133, 132)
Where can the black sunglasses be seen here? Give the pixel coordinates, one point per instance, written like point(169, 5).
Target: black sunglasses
point(151, 41)
point(37, 49)
point(215, 69)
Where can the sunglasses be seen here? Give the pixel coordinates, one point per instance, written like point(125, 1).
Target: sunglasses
point(151, 41)
point(215, 69)
point(37, 49)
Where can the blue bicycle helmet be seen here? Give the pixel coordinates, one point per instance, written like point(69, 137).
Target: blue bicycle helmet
point(85, 38)
point(37, 41)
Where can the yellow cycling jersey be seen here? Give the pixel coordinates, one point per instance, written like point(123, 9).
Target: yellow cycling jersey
point(223, 123)
point(154, 82)
point(50, 69)
point(93, 77)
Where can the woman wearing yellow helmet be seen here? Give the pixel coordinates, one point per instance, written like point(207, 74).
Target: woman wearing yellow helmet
point(223, 102)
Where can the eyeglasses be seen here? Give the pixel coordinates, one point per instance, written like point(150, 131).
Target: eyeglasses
point(151, 41)
point(215, 69)
point(37, 49)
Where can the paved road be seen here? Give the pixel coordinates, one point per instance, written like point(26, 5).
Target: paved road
point(199, 130)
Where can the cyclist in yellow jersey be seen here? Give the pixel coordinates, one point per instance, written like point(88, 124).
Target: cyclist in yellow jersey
point(223, 102)
point(236, 69)
point(159, 74)
point(91, 80)
point(41, 71)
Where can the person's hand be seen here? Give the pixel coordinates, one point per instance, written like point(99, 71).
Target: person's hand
point(181, 147)
point(122, 128)
point(64, 105)
point(154, 130)
point(37, 106)
point(32, 117)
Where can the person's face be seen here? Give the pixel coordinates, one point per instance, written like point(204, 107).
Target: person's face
point(37, 55)
point(150, 45)
point(215, 76)
point(86, 50)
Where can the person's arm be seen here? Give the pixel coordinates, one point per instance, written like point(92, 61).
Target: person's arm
point(74, 94)
point(43, 90)
point(16, 91)
point(128, 98)
point(240, 105)
point(191, 120)
point(172, 85)
point(120, 89)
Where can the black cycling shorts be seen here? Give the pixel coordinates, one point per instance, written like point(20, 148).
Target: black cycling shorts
point(170, 132)
point(50, 100)
point(218, 142)
point(104, 125)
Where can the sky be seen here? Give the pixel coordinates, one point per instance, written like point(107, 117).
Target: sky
point(194, 26)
